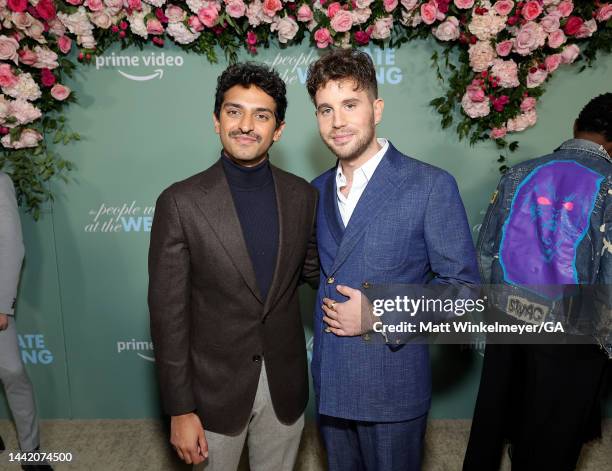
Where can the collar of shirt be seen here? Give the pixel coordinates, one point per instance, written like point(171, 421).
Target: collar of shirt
point(361, 177)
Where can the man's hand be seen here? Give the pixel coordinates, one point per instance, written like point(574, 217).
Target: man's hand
point(345, 319)
point(187, 437)
point(3, 322)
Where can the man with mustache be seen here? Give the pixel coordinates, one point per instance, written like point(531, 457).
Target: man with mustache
point(383, 217)
point(228, 249)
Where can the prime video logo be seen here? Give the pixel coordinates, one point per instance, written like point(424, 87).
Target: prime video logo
point(154, 59)
point(137, 346)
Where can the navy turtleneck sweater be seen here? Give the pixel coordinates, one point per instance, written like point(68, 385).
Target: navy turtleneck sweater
point(255, 201)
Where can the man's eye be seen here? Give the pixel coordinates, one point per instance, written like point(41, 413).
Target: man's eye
point(350, 106)
point(262, 117)
point(325, 111)
point(233, 112)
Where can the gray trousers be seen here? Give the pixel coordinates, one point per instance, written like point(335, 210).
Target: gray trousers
point(18, 389)
point(272, 444)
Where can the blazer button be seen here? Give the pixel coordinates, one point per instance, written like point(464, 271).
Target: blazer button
point(366, 285)
point(257, 358)
point(330, 280)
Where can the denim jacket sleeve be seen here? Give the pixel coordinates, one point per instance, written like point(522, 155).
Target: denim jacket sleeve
point(491, 226)
point(604, 282)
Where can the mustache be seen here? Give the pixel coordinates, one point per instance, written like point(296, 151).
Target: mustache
point(238, 133)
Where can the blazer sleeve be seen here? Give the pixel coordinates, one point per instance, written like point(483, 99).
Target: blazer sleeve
point(450, 248)
point(11, 246)
point(310, 269)
point(168, 297)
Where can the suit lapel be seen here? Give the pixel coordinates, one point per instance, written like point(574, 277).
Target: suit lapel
point(378, 192)
point(288, 220)
point(217, 204)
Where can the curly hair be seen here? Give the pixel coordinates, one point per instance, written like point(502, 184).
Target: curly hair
point(260, 75)
point(596, 116)
point(342, 64)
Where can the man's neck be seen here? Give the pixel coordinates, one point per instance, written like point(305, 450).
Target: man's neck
point(595, 137)
point(349, 166)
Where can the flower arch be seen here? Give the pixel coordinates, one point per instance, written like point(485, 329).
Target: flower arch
point(496, 56)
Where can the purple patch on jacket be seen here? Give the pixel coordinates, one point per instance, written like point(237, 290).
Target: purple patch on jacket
point(549, 217)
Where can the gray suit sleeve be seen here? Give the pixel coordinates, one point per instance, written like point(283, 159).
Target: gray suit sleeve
point(11, 246)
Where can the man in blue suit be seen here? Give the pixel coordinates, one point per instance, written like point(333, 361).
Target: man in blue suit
point(383, 218)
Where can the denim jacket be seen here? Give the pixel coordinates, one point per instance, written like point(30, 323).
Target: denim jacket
point(549, 224)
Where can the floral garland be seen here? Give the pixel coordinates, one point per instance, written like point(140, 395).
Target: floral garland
point(496, 56)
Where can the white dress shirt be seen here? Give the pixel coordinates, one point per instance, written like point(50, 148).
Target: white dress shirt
point(361, 177)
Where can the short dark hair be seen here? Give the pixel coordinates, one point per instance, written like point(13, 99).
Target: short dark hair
point(342, 64)
point(251, 73)
point(596, 116)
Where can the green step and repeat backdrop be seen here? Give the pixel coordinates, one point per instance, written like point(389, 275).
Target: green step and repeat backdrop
point(145, 118)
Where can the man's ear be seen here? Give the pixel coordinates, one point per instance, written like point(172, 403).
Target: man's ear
point(278, 132)
point(379, 106)
point(217, 123)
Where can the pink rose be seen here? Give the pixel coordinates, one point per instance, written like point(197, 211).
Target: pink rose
point(333, 8)
point(587, 29)
point(175, 14)
point(94, 5)
point(47, 78)
point(60, 92)
point(287, 29)
point(464, 4)
point(552, 62)
point(605, 12)
point(498, 133)
point(503, 7)
point(570, 54)
point(17, 5)
point(101, 19)
point(304, 13)
point(135, 5)
point(208, 16)
point(46, 9)
point(322, 38)
point(528, 103)
point(270, 7)
point(75, 2)
point(573, 25)
point(7, 78)
point(448, 30)
point(429, 12)
point(64, 43)
point(22, 20)
point(382, 28)
point(550, 23)
point(361, 15)
point(342, 21)
point(565, 8)
point(556, 39)
point(503, 48)
point(27, 56)
point(154, 26)
point(8, 49)
point(235, 8)
point(362, 38)
point(195, 24)
point(24, 112)
point(536, 77)
point(390, 5)
point(531, 10)
point(529, 38)
point(28, 138)
point(36, 30)
point(475, 109)
point(475, 92)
